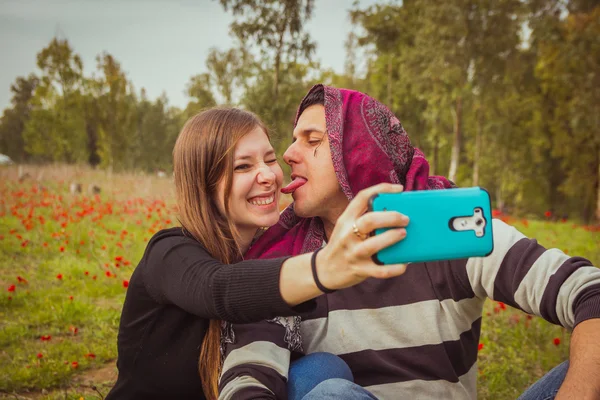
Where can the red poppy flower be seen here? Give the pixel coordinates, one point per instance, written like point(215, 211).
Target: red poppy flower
point(502, 305)
point(71, 298)
point(12, 288)
point(94, 277)
point(45, 338)
point(39, 355)
point(548, 214)
point(59, 276)
point(119, 258)
point(556, 341)
point(62, 249)
point(90, 355)
point(108, 274)
point(21, 279)
point(86, 273)
point(75, 364)
point(480, 346)
point(125, 284)
point(74, 330)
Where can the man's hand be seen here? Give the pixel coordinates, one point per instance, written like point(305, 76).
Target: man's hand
point(583, 377)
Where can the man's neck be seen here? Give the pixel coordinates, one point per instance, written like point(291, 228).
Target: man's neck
point(332, 216)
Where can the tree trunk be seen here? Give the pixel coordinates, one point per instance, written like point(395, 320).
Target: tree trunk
point(278, 64)
point(478, 143)
point(389, 82)
point(598, 186)
point(436, 146)
point(457, 138)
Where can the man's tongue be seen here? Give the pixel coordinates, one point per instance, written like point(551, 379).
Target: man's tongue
point(295, 184)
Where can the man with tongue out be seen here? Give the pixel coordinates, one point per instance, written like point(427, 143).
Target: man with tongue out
point(413, 336)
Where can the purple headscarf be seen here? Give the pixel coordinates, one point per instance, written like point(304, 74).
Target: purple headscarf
point(368, 146)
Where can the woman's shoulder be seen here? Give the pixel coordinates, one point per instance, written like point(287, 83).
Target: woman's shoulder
point(170, 239)
point(176, 234)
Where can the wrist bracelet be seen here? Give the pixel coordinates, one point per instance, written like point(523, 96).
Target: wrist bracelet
point(313, 266)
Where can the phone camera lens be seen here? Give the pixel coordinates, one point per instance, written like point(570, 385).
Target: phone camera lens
point(479, 222)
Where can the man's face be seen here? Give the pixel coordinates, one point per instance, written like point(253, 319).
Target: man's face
point(317, 193)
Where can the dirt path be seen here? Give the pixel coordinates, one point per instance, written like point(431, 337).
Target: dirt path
point(91, 384)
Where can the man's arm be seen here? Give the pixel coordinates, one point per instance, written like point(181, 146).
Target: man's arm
point(256, 364)
point(561, 289)
point(583, 377)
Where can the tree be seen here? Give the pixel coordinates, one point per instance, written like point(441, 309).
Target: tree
point(12, 123)
point(199, 90)
point(56, 128)
point(277, 28)
point(116, 101)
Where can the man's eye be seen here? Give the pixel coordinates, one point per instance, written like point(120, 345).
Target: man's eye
point(313, 142)
point(242, 167)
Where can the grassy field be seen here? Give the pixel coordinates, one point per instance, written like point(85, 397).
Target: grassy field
point(65, 261)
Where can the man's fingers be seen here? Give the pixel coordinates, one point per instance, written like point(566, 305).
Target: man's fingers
point(373, 244)
point(359, 204)
point(381, 272)
point(381, 219)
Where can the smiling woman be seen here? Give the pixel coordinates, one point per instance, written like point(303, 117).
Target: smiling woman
point(253, 194)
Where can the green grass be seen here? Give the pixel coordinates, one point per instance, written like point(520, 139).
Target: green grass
point(111, 237)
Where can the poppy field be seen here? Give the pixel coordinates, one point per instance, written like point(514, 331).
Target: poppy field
point(66, 258)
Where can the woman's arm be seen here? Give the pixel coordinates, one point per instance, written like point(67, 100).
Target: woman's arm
point(181, 272)
point(177, 270)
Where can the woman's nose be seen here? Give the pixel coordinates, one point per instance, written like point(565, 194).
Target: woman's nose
point(265, 175)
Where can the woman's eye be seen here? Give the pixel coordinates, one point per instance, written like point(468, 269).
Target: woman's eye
point(273, 161)
point(242, 167)
point(314, 142)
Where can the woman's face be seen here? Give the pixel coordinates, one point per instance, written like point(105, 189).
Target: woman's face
point(257, 178)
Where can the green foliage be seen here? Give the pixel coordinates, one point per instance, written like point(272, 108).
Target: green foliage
point(501, 94)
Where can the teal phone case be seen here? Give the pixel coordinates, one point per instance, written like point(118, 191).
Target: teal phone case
point(429, 234)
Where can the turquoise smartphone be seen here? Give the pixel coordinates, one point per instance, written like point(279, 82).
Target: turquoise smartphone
point(444, 225)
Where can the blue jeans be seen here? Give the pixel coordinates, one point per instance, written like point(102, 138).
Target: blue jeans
point(547, 387)
point(327, 376)
point(323, 376)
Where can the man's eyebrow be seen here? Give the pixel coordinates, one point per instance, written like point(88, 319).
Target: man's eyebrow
point(306, 131)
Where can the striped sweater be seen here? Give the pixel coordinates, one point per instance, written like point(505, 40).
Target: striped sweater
point(416, 335)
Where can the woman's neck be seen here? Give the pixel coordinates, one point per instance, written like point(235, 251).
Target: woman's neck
point(246, 237)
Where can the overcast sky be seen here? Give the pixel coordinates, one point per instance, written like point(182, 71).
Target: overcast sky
point(159, 43)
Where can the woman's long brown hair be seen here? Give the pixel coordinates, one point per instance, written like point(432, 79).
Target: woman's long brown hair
point(203, 155)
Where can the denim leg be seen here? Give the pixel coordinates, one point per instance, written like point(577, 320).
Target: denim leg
point(547, 387)
point(307, 372)
point(342, 389)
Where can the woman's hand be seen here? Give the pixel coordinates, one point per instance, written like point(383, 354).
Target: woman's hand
point(347, 258)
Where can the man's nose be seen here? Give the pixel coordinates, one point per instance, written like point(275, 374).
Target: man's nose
point(290, 156)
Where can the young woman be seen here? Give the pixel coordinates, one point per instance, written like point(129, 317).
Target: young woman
point(192, 277)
